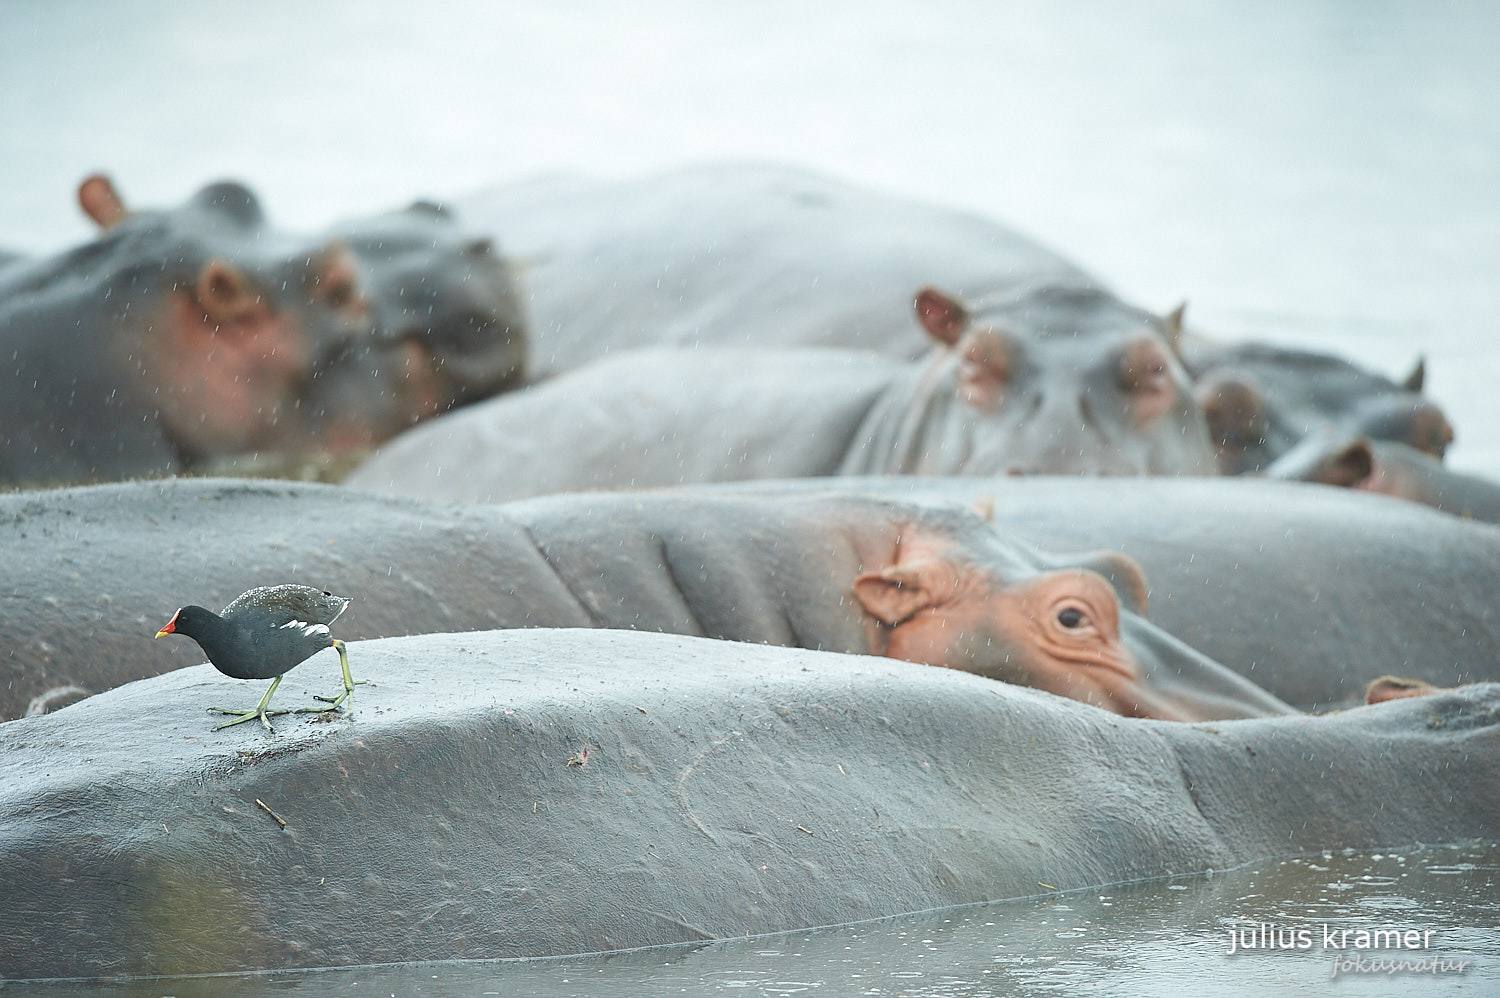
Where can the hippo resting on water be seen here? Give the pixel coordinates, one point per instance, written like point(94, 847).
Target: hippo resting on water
point(541, 793)
point(180, 337)
point(1309, 593)
point(936, 585)
point(1053, 382)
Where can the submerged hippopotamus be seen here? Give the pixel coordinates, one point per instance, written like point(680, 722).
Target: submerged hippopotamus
point(173, 337)
point(1309, 592)
point(749, 256)
point(1052, 382)
point(1261, 401)
point(1391, 469)
point(543, 793)
point(939, 586)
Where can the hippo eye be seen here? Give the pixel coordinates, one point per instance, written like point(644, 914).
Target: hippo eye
point(1070, 618)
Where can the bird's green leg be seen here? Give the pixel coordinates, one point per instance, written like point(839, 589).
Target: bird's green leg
point(349, 683)
point(259, 710)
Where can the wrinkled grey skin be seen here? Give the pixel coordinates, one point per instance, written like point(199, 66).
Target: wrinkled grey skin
point(744, 255)
point(1389, 469)
point(111, 345)
point(1307, 591)
point(444, 304)
point(727, 790)
point(668, 417)
point(777, 571)
point(1261, 401)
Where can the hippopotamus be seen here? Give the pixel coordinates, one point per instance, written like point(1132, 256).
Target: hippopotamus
point(748, 256)
point(554, 792)
point(446, 326)
point(1391, 469)
point(449, 327)
point(173, 337)
point(1310, 592)
point(1010, 387)
point(1261, 401)
point(940, 586)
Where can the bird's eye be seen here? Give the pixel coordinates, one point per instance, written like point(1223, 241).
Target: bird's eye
point(1070, 618)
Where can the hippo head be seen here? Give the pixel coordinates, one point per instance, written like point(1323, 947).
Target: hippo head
point(223, 320)
point(985, 607)
point(1064, 380)
point(444, 304)
point(1261, 401)
point(966, 596)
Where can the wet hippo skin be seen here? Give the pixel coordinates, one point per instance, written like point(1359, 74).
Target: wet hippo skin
point(728, 789)
point(932, 584)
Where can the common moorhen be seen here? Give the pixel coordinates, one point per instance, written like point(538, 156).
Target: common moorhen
point(264, 633)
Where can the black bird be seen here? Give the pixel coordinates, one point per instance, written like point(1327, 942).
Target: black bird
point(264, 633)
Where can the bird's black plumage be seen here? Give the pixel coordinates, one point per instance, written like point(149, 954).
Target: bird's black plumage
point(264, 633)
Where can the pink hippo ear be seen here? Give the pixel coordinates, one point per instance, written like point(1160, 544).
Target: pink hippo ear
point(897, 593)
point(1122, 572)
point(943, 317)
point(101, 202)
point(224, 294)
point(1397, 688)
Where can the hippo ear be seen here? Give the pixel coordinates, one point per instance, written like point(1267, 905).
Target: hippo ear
point(101, 202)
point(943, 317)
point(1123, 572)
point(894, 594)
point(224, 293)
point(1397, 688)
point(1171, 323)
point(1417, 377)
point(335, 272)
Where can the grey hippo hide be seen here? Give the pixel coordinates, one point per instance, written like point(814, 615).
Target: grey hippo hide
point(174, 337)
point(96, 571)
point(1061, 382)
point(1311, 592)
point(541, 793)
point(745, 255)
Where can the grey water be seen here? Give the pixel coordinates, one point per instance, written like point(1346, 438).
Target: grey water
point(1149, 939)
point(1317, 172)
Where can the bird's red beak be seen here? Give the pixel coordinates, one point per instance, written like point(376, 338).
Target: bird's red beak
point(170, 626)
